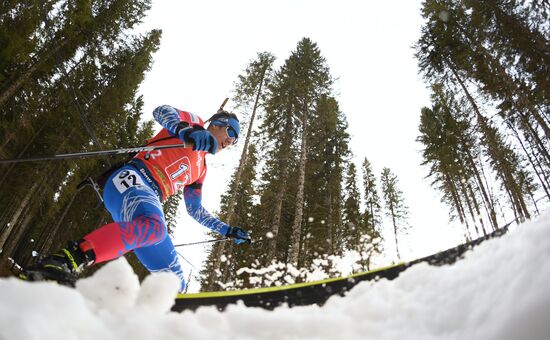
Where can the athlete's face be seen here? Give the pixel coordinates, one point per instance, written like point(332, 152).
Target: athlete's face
point(221, 135)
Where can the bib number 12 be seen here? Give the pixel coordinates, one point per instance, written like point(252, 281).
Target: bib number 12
point(127, 179)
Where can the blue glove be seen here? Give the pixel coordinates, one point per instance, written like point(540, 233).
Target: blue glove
point(239, 235)
point(202, 140)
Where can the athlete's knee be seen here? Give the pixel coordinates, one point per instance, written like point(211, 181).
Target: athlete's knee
point(151, 229)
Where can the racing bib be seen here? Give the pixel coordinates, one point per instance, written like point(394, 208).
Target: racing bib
point(127, 179)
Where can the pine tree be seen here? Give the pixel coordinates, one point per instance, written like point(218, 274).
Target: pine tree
point(312, 79)
point(215, 270)
point(466, 43)
point(372, 199)
point(328, 155)
point(75, 101)
point(507, 27)
point(295, 89)
point(360, 235)
point(297, 206)
point(352, 212)
point(250, 93)
point(371, 218)
point(500, 51)
point(395, 206)
point(452, 150)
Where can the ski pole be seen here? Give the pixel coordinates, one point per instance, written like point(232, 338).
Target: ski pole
point(203, 242)
point(213, 241)
point(95, 153)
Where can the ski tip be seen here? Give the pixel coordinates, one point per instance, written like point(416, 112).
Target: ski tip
point(17, 270)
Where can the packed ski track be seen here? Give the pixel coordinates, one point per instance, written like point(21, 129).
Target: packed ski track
point(498, 291)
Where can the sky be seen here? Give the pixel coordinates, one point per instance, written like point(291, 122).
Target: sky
point(368, 48)
point(499, 290)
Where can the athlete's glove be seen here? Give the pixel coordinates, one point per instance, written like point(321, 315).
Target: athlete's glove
point(238, 235)
point(202, 140)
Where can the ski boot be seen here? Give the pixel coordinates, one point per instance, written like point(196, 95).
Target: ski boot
point(63, 266)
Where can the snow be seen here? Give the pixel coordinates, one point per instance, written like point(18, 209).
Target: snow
point(498, 291)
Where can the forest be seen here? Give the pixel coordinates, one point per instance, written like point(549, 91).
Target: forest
point(69, 78)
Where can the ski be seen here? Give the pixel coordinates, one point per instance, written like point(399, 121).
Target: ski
point(16, 269)
point(33, 275)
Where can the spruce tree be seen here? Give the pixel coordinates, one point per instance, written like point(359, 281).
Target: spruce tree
point(215, 270)
point(312, 79)
point(60, 100)
point(395, 206)
point(294, 91)
point(495, 56)
point(328, 155)
point(301, 84)
point(360, 236)
point(372, 199)
point(453, 151)
point(250, 95)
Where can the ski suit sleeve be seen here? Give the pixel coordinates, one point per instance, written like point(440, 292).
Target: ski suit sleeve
point(192, 195)
point(170, 118)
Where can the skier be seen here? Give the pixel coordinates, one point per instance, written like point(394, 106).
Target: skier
point(133, 194)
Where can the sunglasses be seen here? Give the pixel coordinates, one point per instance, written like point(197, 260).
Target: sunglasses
point(231, 133)
point(229, 130)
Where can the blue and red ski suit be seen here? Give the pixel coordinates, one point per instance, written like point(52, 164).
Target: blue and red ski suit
point(134, 193)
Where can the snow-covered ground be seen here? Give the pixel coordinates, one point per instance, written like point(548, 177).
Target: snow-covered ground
point(499, 291)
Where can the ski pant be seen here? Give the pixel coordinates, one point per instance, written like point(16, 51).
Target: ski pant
point(138, 225)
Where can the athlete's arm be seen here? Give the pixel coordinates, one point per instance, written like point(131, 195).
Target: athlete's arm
point(192, 195)
point(168, 117)
point(175, 121)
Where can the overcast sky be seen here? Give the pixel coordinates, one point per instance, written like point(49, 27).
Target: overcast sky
point(367, 45)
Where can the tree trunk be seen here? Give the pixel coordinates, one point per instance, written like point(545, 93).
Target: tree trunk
point(19, 242)
point(331, 226)
point(216, 265)
point(460, 208)
point(15, 217)
point(281, 189)
point(17, 81)
point(528, 130)
point(515, 192)
point(512, 89)
point(395, 234)
point(244, 154)
point(535, 164)
point(299, 208)
point(455, 197)
point(476, 206)
point(469, 205)
point(7, 171)
point(53, 231)
point(489, 206)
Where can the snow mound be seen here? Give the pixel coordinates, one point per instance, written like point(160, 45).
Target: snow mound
point(499, 291)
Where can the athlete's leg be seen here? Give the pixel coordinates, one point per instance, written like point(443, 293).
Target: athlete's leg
point(139, 225)
point(161, 257)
